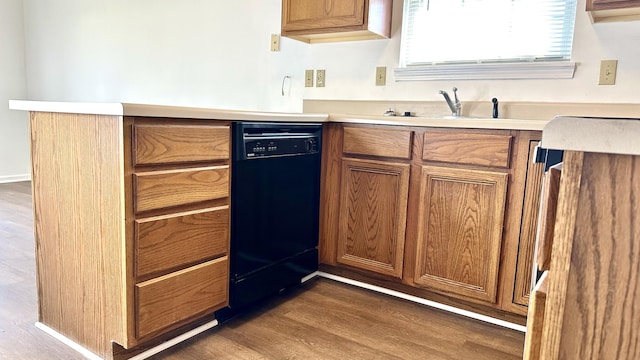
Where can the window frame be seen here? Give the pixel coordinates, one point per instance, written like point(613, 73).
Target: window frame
point(483, 70)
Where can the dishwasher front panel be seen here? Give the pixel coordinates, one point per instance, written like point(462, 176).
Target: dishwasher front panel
point(274, 208)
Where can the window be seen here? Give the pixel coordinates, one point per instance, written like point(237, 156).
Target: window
point(487, 38)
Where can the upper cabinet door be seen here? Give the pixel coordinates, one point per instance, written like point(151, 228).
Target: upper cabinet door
point(611, 4)
point(320, 14)
point(315, 21)
point(613, 10)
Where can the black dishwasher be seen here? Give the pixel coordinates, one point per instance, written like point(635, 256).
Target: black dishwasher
point(275, 190)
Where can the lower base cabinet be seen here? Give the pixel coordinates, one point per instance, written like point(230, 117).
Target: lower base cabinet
point(164, 301)
point(449, 214)
point(373, 215)
point(460, 231)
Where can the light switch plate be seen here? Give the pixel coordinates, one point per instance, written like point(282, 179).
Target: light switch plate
point(275, 42)
point(608, 70)
point(320, 78)
point(381, 76)
point(308, 78)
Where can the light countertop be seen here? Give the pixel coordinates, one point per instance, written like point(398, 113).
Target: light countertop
point(127, 109)
point(589, 134)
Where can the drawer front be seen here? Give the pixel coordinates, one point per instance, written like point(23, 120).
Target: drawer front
point(377, 142)
point(467, 148)
point(162, 144)
point(161, 189)
point(167, 300)
point(168, 242)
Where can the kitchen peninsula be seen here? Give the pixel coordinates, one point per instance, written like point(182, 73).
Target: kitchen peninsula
point(110, 179)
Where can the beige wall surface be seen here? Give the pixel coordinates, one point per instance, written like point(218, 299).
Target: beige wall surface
point(216, 54)
point(14, 127)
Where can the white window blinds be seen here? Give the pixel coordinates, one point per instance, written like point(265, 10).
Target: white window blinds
point(486, 31)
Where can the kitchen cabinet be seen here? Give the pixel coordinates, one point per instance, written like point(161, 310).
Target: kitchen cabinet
point(373, 206)
point(180, 210)
point(591, 303)
point(469, 220)
point(528, 229)
point(373, 200)
point(336, 20)
point(613, 10)
point(132, 226)
point(460, 231)
point(461, 212)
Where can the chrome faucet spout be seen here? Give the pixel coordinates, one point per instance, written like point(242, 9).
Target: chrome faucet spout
point(455, 107)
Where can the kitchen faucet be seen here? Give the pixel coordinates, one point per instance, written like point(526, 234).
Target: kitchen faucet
point(455, 107)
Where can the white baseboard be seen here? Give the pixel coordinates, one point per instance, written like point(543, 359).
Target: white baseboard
point(154, 350)
point(176, 340)
point(426, 302)
point(70, 343)
point(14, 178)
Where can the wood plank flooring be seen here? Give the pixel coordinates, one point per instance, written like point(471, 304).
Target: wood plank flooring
point(321, 320)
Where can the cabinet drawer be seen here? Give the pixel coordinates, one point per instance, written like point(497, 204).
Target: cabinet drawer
point(160, 189)
point(161, 144)
point(167, 300)
point(168, 242)
point(377, 142)
point(467, 148)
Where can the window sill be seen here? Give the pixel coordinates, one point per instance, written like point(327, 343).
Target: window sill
point(499, 71)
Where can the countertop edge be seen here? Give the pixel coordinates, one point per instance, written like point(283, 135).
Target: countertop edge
point(589, 134)
point(445, 122)
point(151, 110)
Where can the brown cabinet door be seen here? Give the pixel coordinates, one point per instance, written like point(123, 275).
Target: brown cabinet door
point(526, 245)
point(321, 14)
point(460, 231)
point(373, 215)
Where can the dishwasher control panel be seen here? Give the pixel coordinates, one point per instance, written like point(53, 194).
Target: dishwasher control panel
point(262, 140)
point(280, 146)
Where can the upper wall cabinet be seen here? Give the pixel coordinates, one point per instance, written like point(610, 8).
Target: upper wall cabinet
point(336, 20)
point(613, 10)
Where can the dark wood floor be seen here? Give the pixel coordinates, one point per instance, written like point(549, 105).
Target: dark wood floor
point(322, 320)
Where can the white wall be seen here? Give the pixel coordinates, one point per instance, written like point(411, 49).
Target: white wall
point(351, 68)
point(216, 54)
point(188, 52)
point(14, 127)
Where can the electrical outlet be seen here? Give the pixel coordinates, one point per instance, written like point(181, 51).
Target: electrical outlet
point(308, 78)
point(608, 72)
point(275, 42)
point(320, 77)
point(381, 76)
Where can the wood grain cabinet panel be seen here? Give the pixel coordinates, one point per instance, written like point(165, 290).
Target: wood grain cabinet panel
point(592, 299)
point(373, 215)
point(528, 228)
point(460, 231)
point(611, 4)
point(336, 20)
point(161, 144)
point(467, 148)
point(161, 189)
point(179, 296)
point(320, 14)
point(613, 10)
point(377, 142)
point(171, 241)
